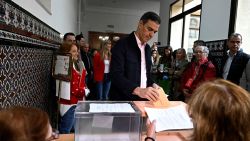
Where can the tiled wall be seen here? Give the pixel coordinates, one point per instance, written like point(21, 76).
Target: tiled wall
point(25, 76)
point(217, 49)
point(26, 51)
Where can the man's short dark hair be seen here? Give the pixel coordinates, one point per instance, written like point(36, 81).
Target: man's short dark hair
point(199, 43)
point(68, 34)
point(235, 35)
point(78, 37)
point(150, 16)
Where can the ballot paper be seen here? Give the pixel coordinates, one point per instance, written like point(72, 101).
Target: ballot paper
point(163, 100)
point(173, 118)
point(112, 108)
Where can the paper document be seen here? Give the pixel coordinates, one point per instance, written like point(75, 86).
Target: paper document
point(62, 65)
point(64, 90)
point(98, 121)
point(112, 108)
point(107, 137)
point(170, 119)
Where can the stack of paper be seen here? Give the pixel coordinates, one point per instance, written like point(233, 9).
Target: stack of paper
point(111, 108)
point(170, 118)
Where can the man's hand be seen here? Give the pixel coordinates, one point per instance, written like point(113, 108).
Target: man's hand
point(149, 93)
point(156, 86)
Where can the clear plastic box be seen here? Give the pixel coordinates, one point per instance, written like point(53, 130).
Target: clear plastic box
point(107, 121)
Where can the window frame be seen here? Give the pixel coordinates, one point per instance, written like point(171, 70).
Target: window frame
point(182, 16)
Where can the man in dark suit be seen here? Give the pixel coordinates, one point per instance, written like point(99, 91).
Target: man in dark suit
point(131, 63)
point(234, 63)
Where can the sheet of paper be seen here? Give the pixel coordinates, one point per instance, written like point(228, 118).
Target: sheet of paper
point(65, 90)
point(62, 65)
point(170, 119)
point(111, 108)
point(103, 121)
point(106, 137)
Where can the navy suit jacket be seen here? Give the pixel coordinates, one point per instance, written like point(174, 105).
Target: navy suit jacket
point(237, 66)
point(126, 69)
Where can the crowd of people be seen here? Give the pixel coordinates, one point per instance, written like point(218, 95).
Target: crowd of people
point(181, 76)
point(131, 70)
point(219, 110)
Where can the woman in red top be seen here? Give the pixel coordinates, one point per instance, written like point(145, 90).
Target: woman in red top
point(77, 87)
point(101, 65)
point(197, 72)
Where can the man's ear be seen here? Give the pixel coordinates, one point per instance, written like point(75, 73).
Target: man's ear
point(140, 24)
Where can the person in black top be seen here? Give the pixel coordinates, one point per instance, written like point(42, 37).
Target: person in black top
point(86, 57)
point(131, 63)
point(234, 62)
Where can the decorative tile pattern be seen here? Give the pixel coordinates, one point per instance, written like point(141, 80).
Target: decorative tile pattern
point(217, 49)
point(25, 76)
point(14, 17)
point(26, 50)
point(20, 38)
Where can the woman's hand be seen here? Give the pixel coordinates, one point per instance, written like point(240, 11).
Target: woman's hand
point(151, 129)
point(186, 93)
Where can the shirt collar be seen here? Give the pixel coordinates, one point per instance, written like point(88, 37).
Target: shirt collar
point(139, 41)
point(230, 54)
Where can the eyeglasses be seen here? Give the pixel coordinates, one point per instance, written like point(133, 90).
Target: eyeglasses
point(199, 52)
point(55, 135)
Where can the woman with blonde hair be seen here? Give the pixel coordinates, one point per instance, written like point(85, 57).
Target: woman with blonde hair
point(220, 111)
point(101, 66)
point(179, 65)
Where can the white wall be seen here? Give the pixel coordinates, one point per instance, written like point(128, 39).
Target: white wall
point(124, 20)
point(64, 13)
point(215, 19)
point(242, 24)
point(164, 14)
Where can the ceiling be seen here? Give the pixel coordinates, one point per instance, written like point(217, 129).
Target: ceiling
point(123, 4)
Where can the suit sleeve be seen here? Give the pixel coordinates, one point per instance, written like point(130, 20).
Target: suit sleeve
point(118, 65)
point(245, 79)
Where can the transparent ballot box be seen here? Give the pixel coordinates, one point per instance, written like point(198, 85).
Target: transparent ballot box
point(107, 121)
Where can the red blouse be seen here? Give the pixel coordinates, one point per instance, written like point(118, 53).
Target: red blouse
point(77, 86)
point(205, 72)
point(98, 67)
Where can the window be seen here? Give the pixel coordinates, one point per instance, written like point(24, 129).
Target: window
point(184, 24)
point(177, 34)
point(242, 23)
point(176, 8)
